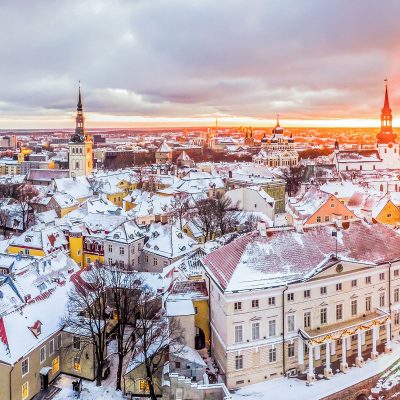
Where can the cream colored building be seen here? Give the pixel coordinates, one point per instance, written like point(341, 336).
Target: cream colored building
point(80, 146)
point(284, 304)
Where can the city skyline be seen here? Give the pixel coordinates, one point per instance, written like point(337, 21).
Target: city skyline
point(318, 64)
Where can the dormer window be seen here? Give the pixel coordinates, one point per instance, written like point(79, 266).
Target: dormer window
point(36, 329)
point(116, 235)
point(180, 236)
point(28, 239)
point(156, 247)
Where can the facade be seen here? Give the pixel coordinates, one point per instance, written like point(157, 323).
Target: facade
point(300, 310)
point(163, 154)
point(80, 146)
point(278, 151)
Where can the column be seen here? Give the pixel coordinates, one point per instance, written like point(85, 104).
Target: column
point(343, 365)
point(374, 353)
point(328, 370)
point(300, 353)
point(388, 346)
point(310, 375)
point(359, 359)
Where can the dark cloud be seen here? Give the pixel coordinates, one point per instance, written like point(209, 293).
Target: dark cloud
point(170, 58)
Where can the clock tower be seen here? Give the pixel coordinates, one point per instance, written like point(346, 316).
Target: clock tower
point(80, 146)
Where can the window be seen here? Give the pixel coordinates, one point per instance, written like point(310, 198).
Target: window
point(239, 362)
point(354, 307)
point(51, 347)
point(327, 218)
point(271, 301)
point(25, 390)
point(59, 341)
point(382, 276)
point(389, 215)
point(396, 272)
point(397, 318)
point(307, 319)
point(254, 303)
point(121, 251)
point(177, 364)
point(272, 355)
point(196, 310)
point(25, 366)
point(42, 354)
point(324, 315)
point(367, 279)
point(290, 322)
point(77, 364)
point(339, 312)
point(318, 219)
point(76, 343)
point(368, 303)
point(255, 329)
point(338, 287)
point(290, 296)
point(56, 365)
point(396, 295)
point(272, 327)
point(332, 205)
point(382, 299)
point(307, 293)
point(291, 350)
point(238, 334)
point(354, 283)
point(110, 248)
point(238, 306)
point(323, 290)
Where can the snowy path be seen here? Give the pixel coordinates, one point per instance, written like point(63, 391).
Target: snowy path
point(294, 389)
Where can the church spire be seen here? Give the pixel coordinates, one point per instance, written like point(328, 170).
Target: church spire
point(277, 120)
point(386, 134)
point(79, 105)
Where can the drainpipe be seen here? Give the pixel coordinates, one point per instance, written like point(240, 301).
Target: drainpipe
point(209, 310)
point(10, 382)
point(390, 297)
point(283, 332)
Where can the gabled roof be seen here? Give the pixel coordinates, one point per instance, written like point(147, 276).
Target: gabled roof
point(357, 156)
point(164, 148)
point(283, 257)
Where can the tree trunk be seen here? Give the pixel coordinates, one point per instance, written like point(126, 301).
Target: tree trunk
point(119, 371)
point(99, 374)
point(151, 384)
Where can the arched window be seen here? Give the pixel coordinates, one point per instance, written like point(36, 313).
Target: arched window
point(360, 167)
point(381, 188)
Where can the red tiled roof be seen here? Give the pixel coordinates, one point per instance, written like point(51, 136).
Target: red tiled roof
point(286, 256)
point(190, 287)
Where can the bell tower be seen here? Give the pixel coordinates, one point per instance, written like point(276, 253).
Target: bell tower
point(80, 146)
point(387, 145)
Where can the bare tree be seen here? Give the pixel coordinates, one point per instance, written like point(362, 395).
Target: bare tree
point(86, 314)
point(293, 176)
point(4, 217)
point(123, 297)
point(202, 217)
point(96, 185)
point(227, 214)
point(156, 336)
point(24, 195)
point(180, 207)
point(151, 183)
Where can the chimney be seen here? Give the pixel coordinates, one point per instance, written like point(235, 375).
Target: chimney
point(230, 174)
point(262, 228)
point(298, 225)
point(338, 219)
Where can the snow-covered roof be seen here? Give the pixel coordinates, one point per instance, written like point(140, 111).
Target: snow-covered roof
point(168, 241)
point(164, 148)
point(179, 308)
point(127, 232)
point(25, 301)
point(343, 189)
point(357, 156)
point(286, 256)
point(42, 237)
point(78, 187)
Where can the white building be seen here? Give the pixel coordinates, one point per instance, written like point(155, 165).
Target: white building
point(285, 303)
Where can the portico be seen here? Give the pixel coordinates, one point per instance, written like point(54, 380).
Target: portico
point(343, 343)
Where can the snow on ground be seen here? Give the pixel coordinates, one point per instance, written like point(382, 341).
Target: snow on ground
point(294, 389)
point(89, 390)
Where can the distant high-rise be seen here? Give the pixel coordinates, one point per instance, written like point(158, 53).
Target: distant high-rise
point(80, 146)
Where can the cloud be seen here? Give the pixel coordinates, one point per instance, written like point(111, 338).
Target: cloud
point(193, 58)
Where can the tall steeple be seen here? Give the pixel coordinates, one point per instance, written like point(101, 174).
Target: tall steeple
point(386, 134)
point(80, 118)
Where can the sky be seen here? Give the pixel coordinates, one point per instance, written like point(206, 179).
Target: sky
point(187, 62)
